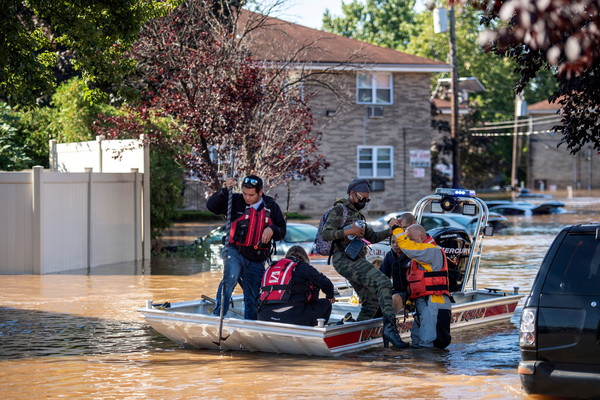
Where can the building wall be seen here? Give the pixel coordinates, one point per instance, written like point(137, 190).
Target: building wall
point(406, 125)
point(552, 166)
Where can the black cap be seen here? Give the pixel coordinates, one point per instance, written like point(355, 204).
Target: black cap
point(359, 185)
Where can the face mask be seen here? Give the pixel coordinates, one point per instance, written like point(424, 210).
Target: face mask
point(360, 204)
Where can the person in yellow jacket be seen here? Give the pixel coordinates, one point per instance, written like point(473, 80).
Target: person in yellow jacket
point(428, 286)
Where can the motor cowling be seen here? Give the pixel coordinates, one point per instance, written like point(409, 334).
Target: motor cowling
point(457, 246)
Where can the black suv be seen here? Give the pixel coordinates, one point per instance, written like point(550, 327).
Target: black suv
point(560, 324)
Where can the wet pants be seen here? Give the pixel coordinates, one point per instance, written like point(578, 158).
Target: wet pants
point(299, 314)
point(431, 326)
point(248, 273)
point(373, 288)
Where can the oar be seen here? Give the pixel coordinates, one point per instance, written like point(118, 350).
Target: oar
point(226, 250)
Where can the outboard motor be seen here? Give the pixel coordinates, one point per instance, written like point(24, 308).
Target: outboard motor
point(457, 246)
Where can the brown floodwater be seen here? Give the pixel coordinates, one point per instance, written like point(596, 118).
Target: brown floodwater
point(78, 335)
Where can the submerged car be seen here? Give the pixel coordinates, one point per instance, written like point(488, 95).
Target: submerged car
point(448, 220)
point(296, 234)
point(429, 221)
point(560, 324)
point(506, 207)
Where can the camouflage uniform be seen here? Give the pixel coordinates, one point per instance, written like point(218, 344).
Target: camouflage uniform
point(374, 289)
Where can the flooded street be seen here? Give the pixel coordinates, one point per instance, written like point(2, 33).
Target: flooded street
point(80, 336)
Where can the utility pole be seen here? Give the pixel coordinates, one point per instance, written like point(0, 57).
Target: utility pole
point(454, 132)
point(520, 111)
point(441, 19)
point(513, 171)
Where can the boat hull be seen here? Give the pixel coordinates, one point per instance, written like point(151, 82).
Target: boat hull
point(191, 325)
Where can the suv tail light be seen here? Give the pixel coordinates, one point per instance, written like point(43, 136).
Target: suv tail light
point(527, 333)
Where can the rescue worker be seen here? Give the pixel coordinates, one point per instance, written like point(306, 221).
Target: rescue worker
point(395, 265)
point(256, 221)
point(428, 286)
point(290, 291)
point(373, 288)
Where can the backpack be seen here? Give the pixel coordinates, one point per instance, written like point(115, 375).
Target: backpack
point(323, 247)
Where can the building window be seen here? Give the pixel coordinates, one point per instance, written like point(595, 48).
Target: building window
point(374, 88)
point(375, 162)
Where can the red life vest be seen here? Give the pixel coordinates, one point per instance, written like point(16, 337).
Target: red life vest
point(247, 230)
point(275, 287)
point(423, 283)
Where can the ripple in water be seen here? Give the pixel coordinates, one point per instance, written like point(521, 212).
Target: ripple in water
point(28, 334)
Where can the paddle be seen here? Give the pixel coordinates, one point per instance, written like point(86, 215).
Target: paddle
point(226, 250)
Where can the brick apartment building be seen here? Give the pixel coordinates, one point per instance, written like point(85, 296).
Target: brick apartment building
point(550, 166)
point(382, 133)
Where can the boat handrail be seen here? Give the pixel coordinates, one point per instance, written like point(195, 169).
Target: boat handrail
point(461, 197)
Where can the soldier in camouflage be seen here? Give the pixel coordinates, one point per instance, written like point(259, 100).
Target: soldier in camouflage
point(373, 288)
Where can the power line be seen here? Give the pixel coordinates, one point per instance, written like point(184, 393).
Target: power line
point(533, 119)
point(527, 133)
point(520, 124)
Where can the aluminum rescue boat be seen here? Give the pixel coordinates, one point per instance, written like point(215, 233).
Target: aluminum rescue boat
point(192, 325)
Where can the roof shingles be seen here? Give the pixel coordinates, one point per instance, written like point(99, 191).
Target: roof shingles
point(277, 40)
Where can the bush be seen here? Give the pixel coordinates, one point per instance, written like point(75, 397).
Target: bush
point(197, 216)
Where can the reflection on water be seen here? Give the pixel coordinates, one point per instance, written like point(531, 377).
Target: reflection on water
point(31, 334)
point(78, 335)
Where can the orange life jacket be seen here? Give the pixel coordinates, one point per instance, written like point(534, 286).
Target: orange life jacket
point(423, 283)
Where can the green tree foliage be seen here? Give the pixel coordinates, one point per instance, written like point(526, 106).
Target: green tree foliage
point(47, 42)
point(166, 175)
point(386, 23)
point(13, 152)
point(24, 135)
point(496, 74)
point(166, 184)
point(482, 159)
point(68, 119)
point(35, 133)
point(73, 113)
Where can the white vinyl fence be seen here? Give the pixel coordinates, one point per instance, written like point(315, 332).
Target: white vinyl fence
point(58, 221)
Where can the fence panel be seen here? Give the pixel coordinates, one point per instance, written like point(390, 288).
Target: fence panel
point(113, 224)
point(53, 222)
point(16, 233)
point(64, 221)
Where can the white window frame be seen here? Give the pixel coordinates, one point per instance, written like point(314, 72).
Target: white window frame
point(375, 161)
point(374, 87)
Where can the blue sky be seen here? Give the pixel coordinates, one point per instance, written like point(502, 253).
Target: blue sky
point(310, 12)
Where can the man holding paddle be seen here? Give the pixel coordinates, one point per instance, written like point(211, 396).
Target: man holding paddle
point(256, 221)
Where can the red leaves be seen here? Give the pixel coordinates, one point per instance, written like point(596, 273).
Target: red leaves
point(198, 76)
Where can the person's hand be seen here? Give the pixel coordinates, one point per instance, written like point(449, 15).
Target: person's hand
point(267, 235)
point(354, 230)
point(230, 182)
point(332, 300)
point(392, 222)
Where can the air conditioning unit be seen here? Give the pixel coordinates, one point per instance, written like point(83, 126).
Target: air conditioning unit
point(375, 112)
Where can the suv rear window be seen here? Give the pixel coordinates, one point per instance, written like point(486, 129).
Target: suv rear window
point(576, 266)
